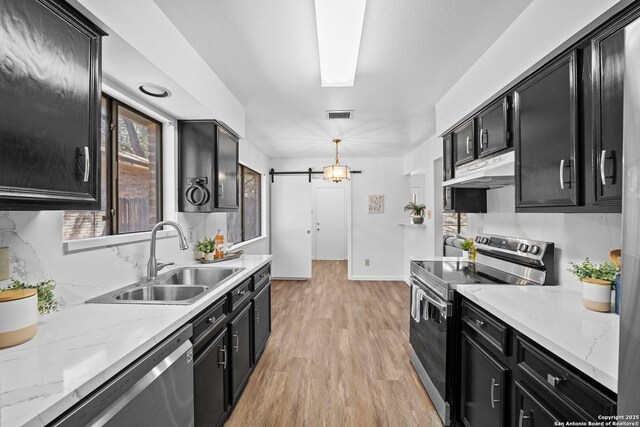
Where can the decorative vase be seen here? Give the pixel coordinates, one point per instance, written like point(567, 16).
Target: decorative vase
point(596, 294)
point(417, 219)
point(208, 256)
point(199, 254)
point(18, 316)
point(465, 255)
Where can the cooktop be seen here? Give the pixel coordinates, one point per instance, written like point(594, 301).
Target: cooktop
point(467, 273)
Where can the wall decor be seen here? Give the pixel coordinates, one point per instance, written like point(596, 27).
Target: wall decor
point(376, 203)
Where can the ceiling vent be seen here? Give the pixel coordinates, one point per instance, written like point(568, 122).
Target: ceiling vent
point(339, 114)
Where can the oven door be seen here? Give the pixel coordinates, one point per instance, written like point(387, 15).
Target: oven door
point(429, 338)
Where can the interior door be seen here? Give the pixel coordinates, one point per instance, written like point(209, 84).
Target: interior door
point(291, 227)
point(331, 230)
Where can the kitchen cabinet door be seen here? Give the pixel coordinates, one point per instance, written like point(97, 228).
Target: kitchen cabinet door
point(261, 321)
point(532, 412)
point(240, 352)
point(447, 158)
point(545, 137)
point(210, 383)
point(227, 178)
point(484, 387)
point(608, 87)
point(464, 143)
point(495, 131)
point(50, 83)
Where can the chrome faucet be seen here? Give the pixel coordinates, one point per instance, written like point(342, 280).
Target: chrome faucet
point(153, 267)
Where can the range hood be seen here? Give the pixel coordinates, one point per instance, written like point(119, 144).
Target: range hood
point(493, 172)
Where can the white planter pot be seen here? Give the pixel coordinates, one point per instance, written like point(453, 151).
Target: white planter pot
point(18, 316)
point(465, 255)
point(209, 256)
point(596, 295)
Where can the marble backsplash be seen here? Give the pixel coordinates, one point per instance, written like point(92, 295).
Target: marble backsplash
point(575, 236)
point(37, 253)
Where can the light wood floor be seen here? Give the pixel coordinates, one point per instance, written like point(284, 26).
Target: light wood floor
point(337, 356)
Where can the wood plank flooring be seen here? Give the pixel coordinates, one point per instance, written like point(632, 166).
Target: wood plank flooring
point(337, 356)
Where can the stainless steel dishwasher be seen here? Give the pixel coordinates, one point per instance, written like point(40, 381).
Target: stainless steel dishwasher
point(155, 391)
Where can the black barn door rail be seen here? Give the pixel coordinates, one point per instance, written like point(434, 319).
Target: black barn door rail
point(308, 172)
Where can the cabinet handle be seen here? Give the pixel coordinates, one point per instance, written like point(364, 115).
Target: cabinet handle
point(562, 181)
point(554, 381)
point(242, 293)
point(223, 363)
point(480, 323)
point(87, 164)
point(494, 384)
point(257, 314)
point(602, 177)
point(221, 193)
point(468, 145)
point(211, 319)
point(237, 346)
point(482, 139)
point(522, 417)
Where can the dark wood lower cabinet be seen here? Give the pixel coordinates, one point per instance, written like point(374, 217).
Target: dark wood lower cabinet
point(240, 352)
point(261, 321)
point(210, 377)
point(484, 388)
point(530, 411)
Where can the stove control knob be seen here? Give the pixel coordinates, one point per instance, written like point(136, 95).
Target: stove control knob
point(478, 239)
point(485, 240)
point(523, 247)
point(534, 249)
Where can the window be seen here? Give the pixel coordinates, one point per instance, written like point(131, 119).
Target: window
point(454, 224)
point(246, 224)
point(131, 145)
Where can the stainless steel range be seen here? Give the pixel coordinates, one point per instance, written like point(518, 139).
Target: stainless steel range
point(500, 261)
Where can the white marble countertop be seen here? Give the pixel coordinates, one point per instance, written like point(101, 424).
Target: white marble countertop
point(80, 347)
point(553, 316)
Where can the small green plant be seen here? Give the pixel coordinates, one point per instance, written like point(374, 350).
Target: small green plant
point(47, 303)
point(467, 244)
point(416, 209)
point(588, 270)
point(206, 245)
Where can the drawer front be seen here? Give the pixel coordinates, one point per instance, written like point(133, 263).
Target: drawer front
point(489, 329)
point(261, 277)
point(209, 320)
point(240, 294)
point(533, 412)
point(554, 377)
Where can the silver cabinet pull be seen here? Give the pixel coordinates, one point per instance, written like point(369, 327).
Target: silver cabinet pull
point(223, 363)
point(87, 164)
point(522, 417)
point(494, 384)
point(562, 174)
point(482, 139)
point(553, 381)
point(603, 155)
point(468, 145)
point(237, 345)
point(480, 323)
point(221, 194)
point(257, 314)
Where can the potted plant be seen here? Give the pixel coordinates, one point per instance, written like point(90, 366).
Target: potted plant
point(417, 212)
point(468, 249)
point(597, 282)
point(206, 247)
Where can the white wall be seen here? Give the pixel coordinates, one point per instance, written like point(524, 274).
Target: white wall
point(575, 236)
point(540, 28)
point(377, 237)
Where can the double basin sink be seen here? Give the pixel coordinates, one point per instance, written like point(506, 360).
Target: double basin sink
point(180, 286)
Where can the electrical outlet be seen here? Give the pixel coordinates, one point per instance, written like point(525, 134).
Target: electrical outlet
point(479, 230)
point(366, 262)
point(429, 214)
point(190, 234)
point(4, 263)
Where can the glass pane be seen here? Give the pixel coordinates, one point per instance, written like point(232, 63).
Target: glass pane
point(84, 224)
point(138, 160)
point(449, 224)
point(234, 219)
point(251, 211)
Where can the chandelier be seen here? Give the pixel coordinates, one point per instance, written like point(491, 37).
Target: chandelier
point(337, 172)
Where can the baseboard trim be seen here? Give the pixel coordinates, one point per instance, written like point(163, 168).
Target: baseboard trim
point(378, 278)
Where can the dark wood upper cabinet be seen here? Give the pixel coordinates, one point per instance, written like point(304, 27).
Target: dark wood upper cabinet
point(545, 134)
point(50, 83)
point(494, 127)
point(608, 87)
point(464, 143)
point(447, 158)
point(208, 167)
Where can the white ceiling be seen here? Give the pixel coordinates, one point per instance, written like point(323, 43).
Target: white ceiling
point(412, 52)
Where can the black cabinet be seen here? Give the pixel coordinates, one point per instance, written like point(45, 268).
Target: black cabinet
point(608, 87)
point(50, 83)
point(494, 126)
point(240, 352)
point(208, 167)
point(447, 157)
point(261, 321)
point(532, 412)
point(546, 136)
point(484, 386)
point(464, 144)
point(210, 377)
point(469, 200)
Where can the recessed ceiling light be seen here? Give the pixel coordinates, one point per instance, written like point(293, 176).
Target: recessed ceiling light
point(339, 24)
point(154, 90)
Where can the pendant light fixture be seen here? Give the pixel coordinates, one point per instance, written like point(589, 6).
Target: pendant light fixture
point(337, 172)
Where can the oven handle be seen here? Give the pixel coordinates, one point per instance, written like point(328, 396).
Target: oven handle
point(444, 308)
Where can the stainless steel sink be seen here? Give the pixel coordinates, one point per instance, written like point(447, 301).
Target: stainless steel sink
point(161, 293)
point(184, 285)
point(196, 276)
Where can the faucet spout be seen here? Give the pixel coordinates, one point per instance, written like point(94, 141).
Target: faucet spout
point(152, 265)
